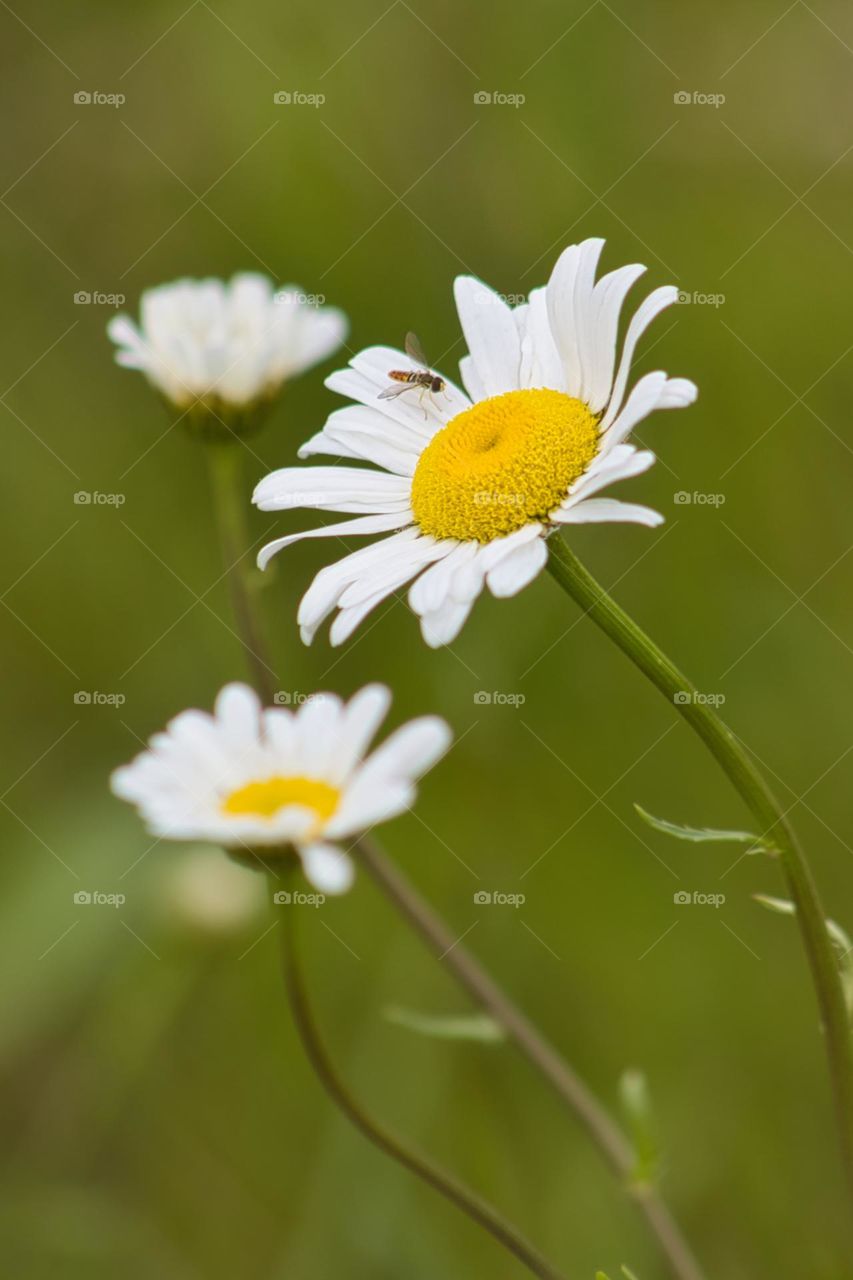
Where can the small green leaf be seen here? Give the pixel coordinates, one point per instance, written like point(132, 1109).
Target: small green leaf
point(699, 835)
point(781, 906)
point(629, 1275)
point(837, 936)
point(600, 1275)
point(637, 1106)
point(477, 1027)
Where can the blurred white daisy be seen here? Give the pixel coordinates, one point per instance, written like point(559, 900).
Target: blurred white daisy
point(469, 486)
point(225, 349)
point(254, 779)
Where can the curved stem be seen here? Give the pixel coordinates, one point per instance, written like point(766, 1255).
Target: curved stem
point(225, 462)
point(466, 1201)
point(473, 978)
point(748, 781)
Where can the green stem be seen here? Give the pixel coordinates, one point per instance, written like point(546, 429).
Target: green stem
point(773, 824)
point(611, 1142)
point(470, 1204)
point(225, 460)
point(471, 976)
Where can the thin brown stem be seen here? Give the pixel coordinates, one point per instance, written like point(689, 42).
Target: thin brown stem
point(465, 1200)
point(470, 974)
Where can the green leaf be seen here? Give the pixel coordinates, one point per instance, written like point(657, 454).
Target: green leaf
point(639, 1113)
point(837, 936)
point(477, 1027)
point(781, 906)
point(699, 835)
point(629, 1275)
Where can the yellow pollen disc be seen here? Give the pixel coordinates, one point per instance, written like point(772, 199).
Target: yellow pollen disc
point(264, 799)
point(502, 464)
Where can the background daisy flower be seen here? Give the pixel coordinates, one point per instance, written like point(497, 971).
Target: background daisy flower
point(249, 778)
point(225, 348)
point(468, 486)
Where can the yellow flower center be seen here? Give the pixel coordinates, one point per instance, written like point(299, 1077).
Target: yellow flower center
point(502, 464)
point(265, 798)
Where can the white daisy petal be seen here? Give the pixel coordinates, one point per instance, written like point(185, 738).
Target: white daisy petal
point(621, 463)
point(469, 489)
point(278, 781)
point(653, 391)
point(332, 489)
point(569, 299)
point(545, 367)
point(471, 379)
point(433, 586)
point(442, 625)
point(341, 529)
point(360, 723)
point(490, 333)
point(517, 569)
point(607, 510)
point(328, 869)
point(654, 304)
point(228, 346)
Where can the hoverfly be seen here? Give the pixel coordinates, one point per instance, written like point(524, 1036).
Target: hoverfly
point(422, 377)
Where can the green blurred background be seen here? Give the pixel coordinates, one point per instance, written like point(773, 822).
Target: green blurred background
point(159, 1117)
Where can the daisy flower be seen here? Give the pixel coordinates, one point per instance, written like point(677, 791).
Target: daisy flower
point(281, 780)
point(225, 349)
point(469, 484)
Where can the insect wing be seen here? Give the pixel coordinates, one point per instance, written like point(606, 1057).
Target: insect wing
point(415, 351)
point(395, 389)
